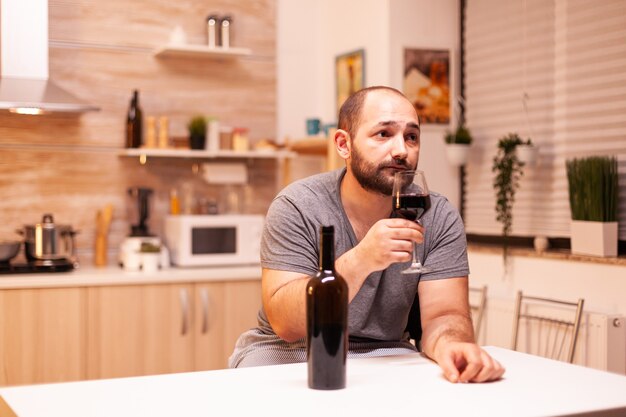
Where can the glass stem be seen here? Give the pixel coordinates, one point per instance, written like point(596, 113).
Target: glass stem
point(416, 260)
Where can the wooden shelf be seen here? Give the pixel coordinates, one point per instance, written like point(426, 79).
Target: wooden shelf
point(203, 154)
point(310, 146)
point(200, 51)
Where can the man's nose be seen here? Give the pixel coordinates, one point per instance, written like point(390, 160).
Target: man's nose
point(398, 148)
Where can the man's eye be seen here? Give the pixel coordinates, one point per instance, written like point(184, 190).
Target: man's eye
point(383, 134)
point(412, 137)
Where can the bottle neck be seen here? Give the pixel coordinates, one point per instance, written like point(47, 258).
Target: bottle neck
point(327, 252)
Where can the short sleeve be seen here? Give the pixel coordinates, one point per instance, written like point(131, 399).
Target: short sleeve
point(286, 243)
point(446, 247)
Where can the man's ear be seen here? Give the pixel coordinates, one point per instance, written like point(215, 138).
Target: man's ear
point(343, 143)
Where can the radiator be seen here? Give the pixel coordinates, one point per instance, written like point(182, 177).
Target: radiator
point(601, 340)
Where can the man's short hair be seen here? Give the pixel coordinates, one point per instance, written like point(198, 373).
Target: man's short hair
point(350, 112)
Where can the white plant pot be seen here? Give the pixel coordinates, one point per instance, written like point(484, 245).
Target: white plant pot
point(594, 238)
point(457, 153)
point(527, 154)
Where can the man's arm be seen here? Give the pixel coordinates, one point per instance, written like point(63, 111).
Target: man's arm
point(448, 335)
point(284, 292)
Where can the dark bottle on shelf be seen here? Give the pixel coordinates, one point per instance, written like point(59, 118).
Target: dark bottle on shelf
point(134, 122)
point(327, 320)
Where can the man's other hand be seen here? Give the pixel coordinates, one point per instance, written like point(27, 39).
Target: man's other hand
point(467, 362)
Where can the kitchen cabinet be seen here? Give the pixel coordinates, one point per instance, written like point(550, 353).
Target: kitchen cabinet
point(139, 330)
point(223, 312)
point(99, 330)
point(156, 329)
point(42, 335)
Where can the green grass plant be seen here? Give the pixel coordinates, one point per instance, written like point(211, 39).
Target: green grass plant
point(593, 188)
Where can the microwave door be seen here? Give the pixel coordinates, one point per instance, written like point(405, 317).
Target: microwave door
point(214, 241)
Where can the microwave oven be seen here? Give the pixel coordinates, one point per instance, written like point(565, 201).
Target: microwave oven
point(214, 240)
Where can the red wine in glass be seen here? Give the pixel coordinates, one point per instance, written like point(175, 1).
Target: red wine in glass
point(412, 206)
point(411, 200)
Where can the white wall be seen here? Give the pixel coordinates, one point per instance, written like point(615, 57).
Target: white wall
point(311, 33)
point(299, 66)
point(350, 25)
point(429, 24)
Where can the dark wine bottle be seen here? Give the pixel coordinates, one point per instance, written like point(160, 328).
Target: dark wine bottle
point(134, 122)
point(327, 320)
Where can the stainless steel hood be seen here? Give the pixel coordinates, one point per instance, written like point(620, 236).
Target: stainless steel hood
point(33, 96)
point(24, 83)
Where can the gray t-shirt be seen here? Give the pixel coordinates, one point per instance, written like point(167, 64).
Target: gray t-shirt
point(379, 311)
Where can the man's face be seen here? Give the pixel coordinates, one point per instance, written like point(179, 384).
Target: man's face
point(387, 140)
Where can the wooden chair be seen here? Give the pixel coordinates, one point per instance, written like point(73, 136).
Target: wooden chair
point(551, 325)
point(478, 302)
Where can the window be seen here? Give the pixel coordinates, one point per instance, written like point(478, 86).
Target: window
point(555, 71)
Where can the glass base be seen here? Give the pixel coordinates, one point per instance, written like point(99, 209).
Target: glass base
point(416, 268)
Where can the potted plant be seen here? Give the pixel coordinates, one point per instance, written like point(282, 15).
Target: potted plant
point(457, 145)
point(508, 170)
point(150, 254)
point(197, 132)
point(527, 152)
point(593, 190)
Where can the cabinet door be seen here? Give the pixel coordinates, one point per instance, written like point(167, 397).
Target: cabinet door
point(42, 335)
point(223, 312)
point(139, 330)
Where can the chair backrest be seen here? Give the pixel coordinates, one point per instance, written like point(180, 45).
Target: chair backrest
point(477, 302)
point(551, 326)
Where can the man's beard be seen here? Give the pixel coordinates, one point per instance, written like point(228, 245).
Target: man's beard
point(371, 177)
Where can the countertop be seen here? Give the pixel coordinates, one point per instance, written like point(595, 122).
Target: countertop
point(556, 254)
point(114, 275)
point(383, 386)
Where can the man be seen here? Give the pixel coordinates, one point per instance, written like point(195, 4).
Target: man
point(378, 135)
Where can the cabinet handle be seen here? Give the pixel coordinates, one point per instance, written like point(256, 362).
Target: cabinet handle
point(204, 296)
point(184, 303)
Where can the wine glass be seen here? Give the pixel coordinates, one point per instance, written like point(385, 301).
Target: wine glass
point(410, 201)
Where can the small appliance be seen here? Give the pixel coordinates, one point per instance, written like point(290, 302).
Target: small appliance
point(138, 215)
point(214, 240)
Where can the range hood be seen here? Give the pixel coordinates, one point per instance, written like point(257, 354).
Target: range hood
point(24, 84)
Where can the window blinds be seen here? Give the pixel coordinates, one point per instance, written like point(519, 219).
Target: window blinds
point(552, 70)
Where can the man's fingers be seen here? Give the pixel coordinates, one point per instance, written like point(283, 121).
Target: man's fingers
point(467, 362)
point(489, 369)
point(403, 223)
point(474, 364)
point(448, 367)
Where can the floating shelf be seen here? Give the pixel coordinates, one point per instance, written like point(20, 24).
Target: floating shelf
point(199, 51)
point(202, 154)
point(312, 145)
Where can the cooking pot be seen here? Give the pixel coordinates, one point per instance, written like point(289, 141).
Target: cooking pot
point(47, 241)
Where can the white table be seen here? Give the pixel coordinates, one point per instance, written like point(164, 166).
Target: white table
point(409, 385)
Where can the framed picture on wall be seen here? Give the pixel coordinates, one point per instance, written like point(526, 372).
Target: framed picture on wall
point(349, 74)
point(426, 83)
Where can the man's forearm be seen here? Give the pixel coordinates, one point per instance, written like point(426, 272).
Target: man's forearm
point(447, 328)
point(353, 270)
point(286, 310)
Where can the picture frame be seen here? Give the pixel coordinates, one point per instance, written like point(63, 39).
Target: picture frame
point(426, 83)
point(349, 74)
